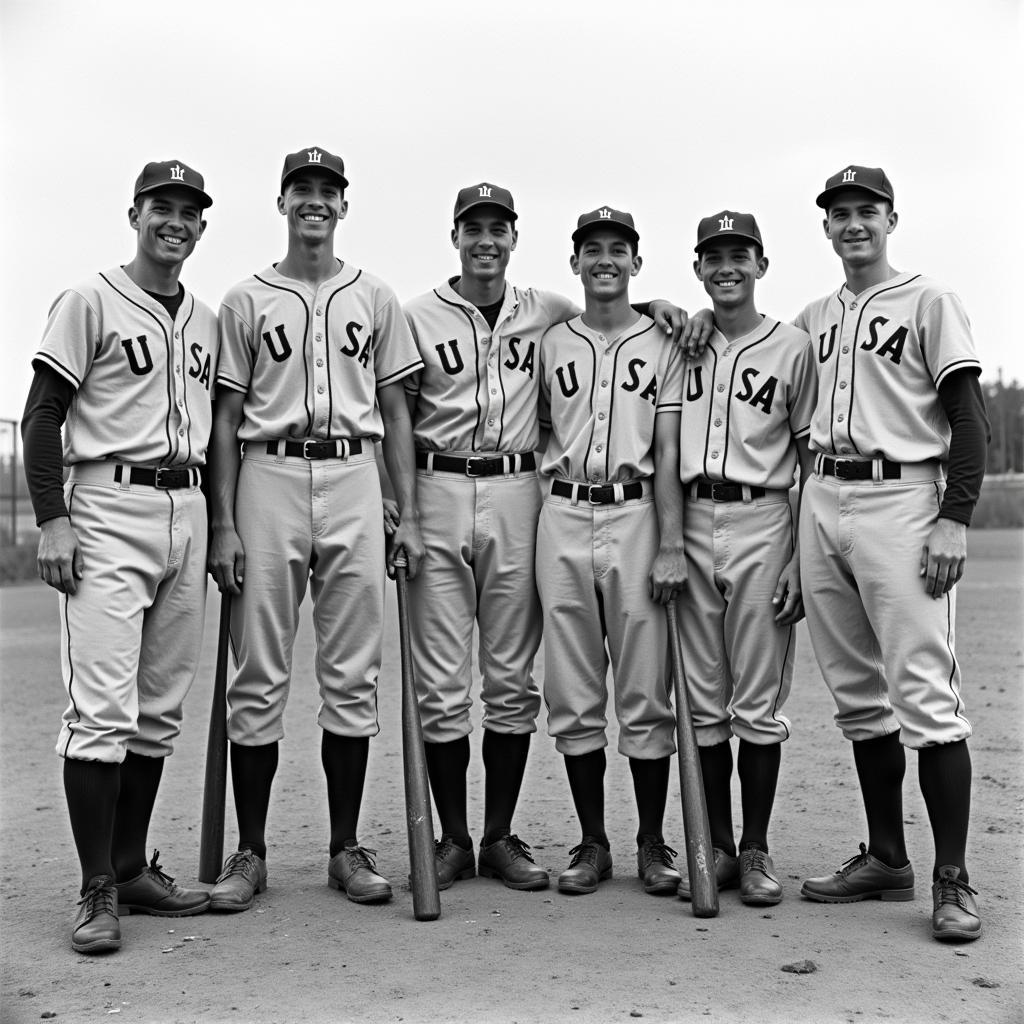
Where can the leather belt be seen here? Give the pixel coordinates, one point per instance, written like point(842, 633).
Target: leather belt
point(857, 469)
point(598, 494)
point(166, 479)
point(717, 490)
point(341, 448)
point(491, 464)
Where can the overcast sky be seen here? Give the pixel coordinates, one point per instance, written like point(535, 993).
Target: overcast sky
point(670, 110)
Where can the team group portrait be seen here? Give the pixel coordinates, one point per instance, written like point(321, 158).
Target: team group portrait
point(618, 645)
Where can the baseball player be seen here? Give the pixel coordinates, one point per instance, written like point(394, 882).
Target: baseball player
point(900, 434)
point(314, 355)
point(746, 415)
point(610, 546)
point(125, 366)
point(474, 407)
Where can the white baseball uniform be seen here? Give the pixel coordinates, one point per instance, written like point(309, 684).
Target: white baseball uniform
point(885, 647)
point(476, 396)
point(130, 636)
point(600, 397)
point(744, 404)
point(309, 363)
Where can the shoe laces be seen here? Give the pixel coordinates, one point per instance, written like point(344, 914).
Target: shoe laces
point(655, 851)
point(99, 899)
point(755, 859)
point(952, 890)
point(241, 863)
point(161, 876)
point(360, 857)
point(584, 853)
point(444, 846)
point(856, 861)
point(517, 848)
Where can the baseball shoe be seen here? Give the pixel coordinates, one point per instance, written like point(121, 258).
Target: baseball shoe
point(591, 863)
point(154, 892)
point(509, 859)
point(243, 876)
point(97, 928)
point(759, 885)
point(862, 877)
point(727, 874)
point(955, 914)
point(654, 866)
point(452, 862)
point(353, 871)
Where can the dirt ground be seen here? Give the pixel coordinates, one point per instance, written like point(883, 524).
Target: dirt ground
point(304, 953)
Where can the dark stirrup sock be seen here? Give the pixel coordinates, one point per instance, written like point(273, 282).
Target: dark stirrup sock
point(881, 766)
point(140, 780)
point(252, 774)
point(504, 757)
point(447, 764)
point(91, 789)
point(586, 781)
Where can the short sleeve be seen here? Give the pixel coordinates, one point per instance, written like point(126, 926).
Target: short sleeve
point(71, 338)
point(946, 341)
point(236, 361)
point(804, 391)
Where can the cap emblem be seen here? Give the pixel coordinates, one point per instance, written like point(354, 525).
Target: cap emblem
point(605, 213)
point(485, 191)
point(725, 223)
point(177, 173)
point(314, 155)
point(849, 176)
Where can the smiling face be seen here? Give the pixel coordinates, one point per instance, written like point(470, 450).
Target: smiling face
point(169, 222)
point(858, 225)
point(313, 203)
point(485, 238)
point(604, 263)
point(728, 268)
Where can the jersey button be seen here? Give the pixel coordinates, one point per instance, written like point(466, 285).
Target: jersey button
point(181, 433)
point(319, 362)
point(319, 311)
point(320, 389)
point(841, 417)
point(604, 383)
point(721, 387)
point(842, 385)
point(718, 423)
point(319, 337)
point(853, 305)
point(846, 348)
point(177, 334)
point(177, 369)
point(714, 455)
point(490, 423)
point(494, 391)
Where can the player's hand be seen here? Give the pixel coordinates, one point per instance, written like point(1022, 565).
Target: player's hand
point(392, 517)
point(226, 560)
point(671, 319)
point(668, 574)
point(409, 538)
point(944, 557)
point(697, 333)
point(59, 560)
point(788, 597)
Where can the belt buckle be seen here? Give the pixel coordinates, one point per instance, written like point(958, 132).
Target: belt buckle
point(172, 477)
point(590, 493)
point(472, 462)
point(843, 469)
point(718, 490)
point(319, 454)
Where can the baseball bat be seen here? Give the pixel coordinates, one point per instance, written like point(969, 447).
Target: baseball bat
point(211, 837)
point(700, 858)
point(426, 899)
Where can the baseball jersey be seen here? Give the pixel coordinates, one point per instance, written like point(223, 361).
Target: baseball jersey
point(881, 356)
point(478, 388)
point(743, 403)
point(600, 398)
point(142, 380)
point(310, 361)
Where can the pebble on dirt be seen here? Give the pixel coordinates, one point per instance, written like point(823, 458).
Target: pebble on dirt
point(801, 967)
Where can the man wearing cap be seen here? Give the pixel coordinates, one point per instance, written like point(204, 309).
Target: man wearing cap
point(747, 404)
point(900, 437)
point(474, 407)
point(125, 366)
point(315, 351)
point(610, 546)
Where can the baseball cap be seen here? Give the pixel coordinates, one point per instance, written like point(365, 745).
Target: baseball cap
point(727, 223)
point(603, 217)
point(167, 173)
point(484, 194)
point(314, 157)
point(868, 179)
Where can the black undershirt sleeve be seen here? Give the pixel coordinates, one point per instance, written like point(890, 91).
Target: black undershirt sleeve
point(46, 409)
point(964, 404)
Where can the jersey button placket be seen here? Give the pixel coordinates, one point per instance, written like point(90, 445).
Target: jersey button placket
point(602, 404)
point(320, 379)
point(492, 345)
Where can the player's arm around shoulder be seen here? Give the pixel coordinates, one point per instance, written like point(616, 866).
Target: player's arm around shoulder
point(668, 573)
point(399, 458)
point(226, 557)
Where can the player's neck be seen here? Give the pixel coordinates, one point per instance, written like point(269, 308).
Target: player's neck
point(609, 317)
point(738, 322)
point(311, 264)
point(861, 278)
point(480, 293)
point(153, 277)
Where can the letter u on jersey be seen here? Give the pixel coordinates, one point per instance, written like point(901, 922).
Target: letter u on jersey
point(128, 344)
point(569, 389)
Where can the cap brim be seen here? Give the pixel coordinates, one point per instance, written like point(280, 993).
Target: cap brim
point(623, 229)
point(823, 199)
point(206, 200)
point(462, 211)
point(285, 178)
point(705, 242)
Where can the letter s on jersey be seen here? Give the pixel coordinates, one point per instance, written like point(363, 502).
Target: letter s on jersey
point(199, 368)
